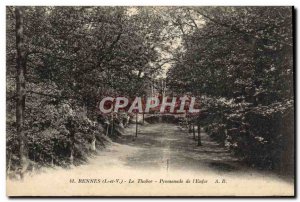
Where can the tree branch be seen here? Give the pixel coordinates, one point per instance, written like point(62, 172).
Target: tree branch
point(233, 28)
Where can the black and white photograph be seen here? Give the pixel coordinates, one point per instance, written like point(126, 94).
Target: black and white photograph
point(150, 101)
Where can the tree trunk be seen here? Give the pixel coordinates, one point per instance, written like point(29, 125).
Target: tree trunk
point(9, 163)
point(71, 128)
point(189, 125)
point(93, 144)
point(194, 134)
point(107, 128)
point(143, 117)
point(199, 135)
point(20, 90)
point(112, 126)
point(72, 148)
point(136, 124)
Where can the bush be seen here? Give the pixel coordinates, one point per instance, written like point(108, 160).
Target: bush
point(258, 135)
point(52, 132)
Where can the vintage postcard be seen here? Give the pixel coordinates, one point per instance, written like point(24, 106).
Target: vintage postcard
point(150, 101)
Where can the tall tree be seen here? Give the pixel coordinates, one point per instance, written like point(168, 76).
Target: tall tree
point(20, 88)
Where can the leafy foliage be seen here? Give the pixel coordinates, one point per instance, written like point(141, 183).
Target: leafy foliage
point(74, 56)
point(240, 60)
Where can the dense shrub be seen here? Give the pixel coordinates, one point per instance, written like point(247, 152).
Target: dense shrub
point(52, 132)
point(259, 135)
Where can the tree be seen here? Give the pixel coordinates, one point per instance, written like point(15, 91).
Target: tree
point(20, 89)
point(240, 62)
point(71, 57)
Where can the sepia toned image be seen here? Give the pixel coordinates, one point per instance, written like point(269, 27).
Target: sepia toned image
point(150, 101)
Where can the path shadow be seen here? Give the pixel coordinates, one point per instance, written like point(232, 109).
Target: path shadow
point(224, 167)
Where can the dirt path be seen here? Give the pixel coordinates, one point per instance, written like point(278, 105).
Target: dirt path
point(167, 146)
point(160, 152)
